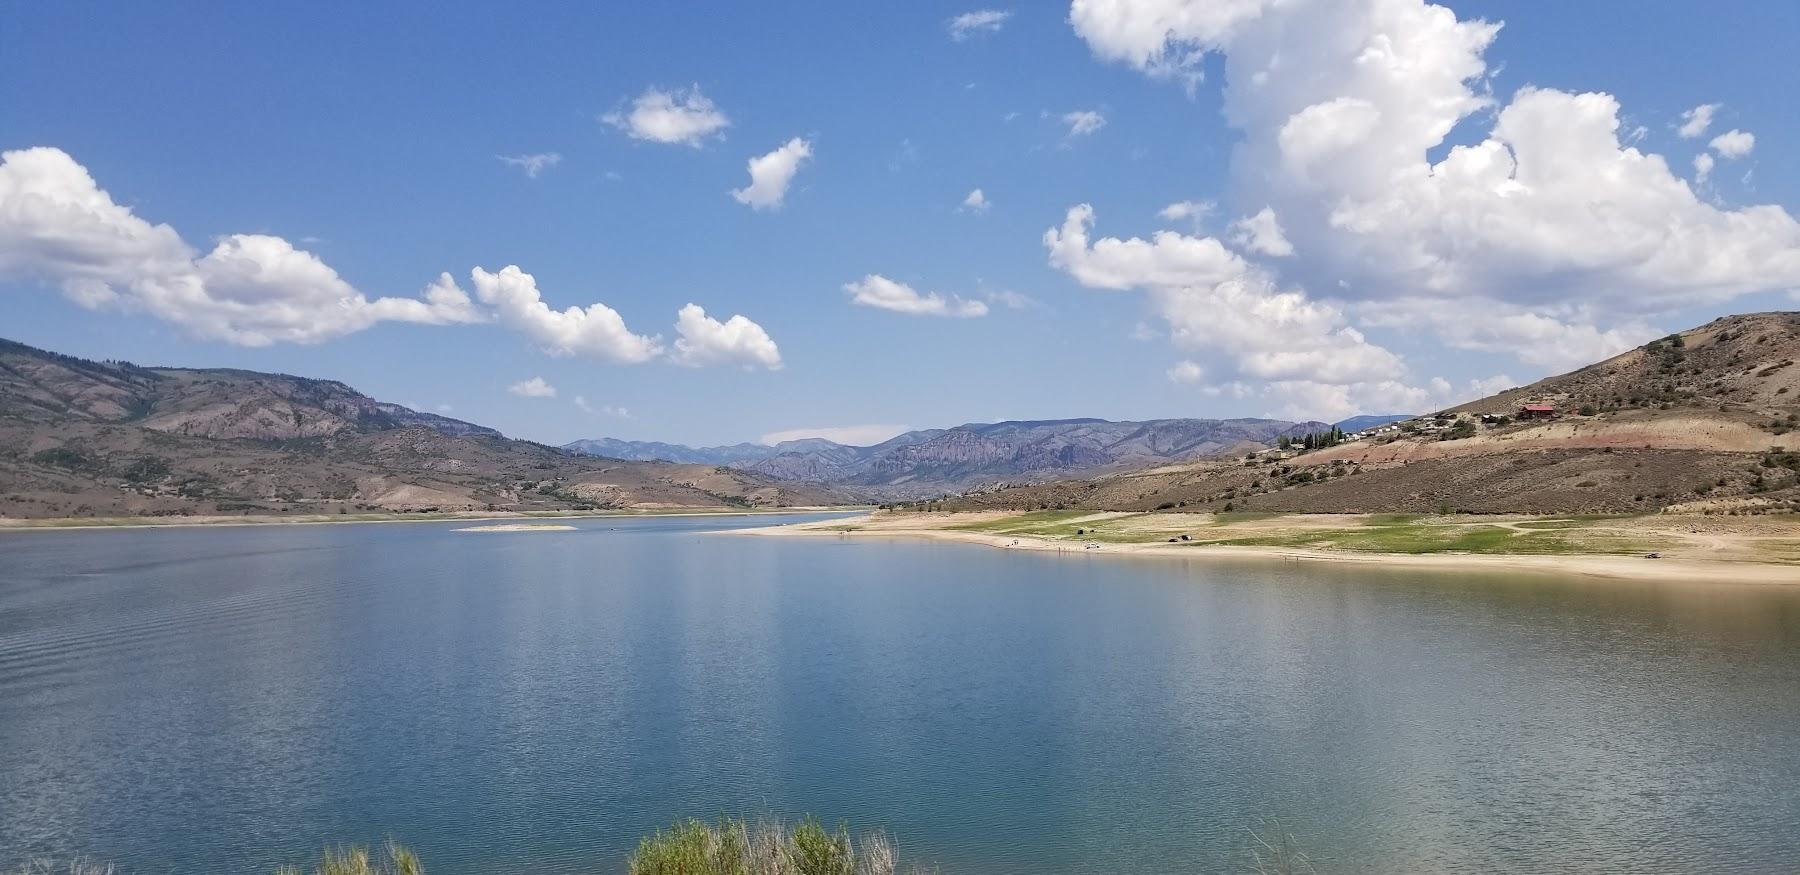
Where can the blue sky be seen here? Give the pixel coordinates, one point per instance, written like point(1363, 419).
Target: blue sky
point(370, 137)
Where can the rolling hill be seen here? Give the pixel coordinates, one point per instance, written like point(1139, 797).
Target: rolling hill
point(80, 438)
point(1704, 420)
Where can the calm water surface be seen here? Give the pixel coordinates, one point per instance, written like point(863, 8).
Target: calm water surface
point(224, 700)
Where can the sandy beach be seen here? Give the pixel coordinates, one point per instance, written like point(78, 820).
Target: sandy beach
point(1751, 551)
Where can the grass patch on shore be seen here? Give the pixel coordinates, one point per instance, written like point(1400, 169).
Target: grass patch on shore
point(1042, 523)
point(1087, 525)
point(737, 847)
point(1423, 538)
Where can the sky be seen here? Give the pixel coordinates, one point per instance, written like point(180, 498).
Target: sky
point(709, 223)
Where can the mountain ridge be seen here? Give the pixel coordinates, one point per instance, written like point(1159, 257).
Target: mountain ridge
point(930, 462)
point(82, 438)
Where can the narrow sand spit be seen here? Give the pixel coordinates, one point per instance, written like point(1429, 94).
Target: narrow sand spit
point(1622, 567)
point(517, 527)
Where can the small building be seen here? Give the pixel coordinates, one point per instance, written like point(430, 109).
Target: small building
point(1537, 411)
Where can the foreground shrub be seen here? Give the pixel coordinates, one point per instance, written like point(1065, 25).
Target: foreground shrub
point(394, 860)
point(730, 847)
point(735, 847)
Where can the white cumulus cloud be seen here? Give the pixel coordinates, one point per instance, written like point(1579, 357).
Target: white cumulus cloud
point(702, 341)
point(1695, 121)
point(1185, 371)
point(882, 293)
point(1550, 215)
point(771, 174)
point(595, 331)
point(1703, 167)
point(977, 22)
point(1734, 143)
point(58, 227)
point(1186, 210)
point(1213, 300)
point(1261, 234)
point(660, 116)
point(531, 164)
point(976, 202)
point(1082, 122)
point(535, 387)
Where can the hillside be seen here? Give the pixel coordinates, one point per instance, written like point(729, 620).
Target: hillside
point(1702, 420)
point(936, 462)
point(84, 438)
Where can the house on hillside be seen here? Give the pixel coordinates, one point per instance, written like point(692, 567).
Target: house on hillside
point(1537, 411)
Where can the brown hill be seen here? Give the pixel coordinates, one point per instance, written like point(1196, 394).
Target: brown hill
point(84, 438)
point(1704, 419)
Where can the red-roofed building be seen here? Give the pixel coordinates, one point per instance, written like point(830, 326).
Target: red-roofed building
point(1537, 411)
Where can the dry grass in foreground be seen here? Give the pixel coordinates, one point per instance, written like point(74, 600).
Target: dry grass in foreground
point(731, 846)
point(736, 847)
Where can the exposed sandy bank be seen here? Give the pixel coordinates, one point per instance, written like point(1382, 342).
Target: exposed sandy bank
point(1757, 551)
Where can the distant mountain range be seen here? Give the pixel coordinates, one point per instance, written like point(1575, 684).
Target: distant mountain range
point(84, 438)
point(934, 462)
point(87, 438)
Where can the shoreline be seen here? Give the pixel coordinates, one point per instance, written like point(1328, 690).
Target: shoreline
point(1602, 566)
point(88, 524)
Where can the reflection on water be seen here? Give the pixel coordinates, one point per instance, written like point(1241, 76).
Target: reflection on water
point(227, 699)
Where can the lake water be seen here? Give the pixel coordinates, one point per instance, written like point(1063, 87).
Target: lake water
point(227, 699)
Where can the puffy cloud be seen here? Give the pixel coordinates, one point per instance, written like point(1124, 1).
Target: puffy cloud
point(1082, 122)
point(1261, 233)
point(976, 202)
point(1185, 371)
point(670, 117)
point(1695, 121)
point(1341, 103)
point(882, 293)
point(703, 341)
point(1703, 167)
point(1734, 143)
point(532, 164)
point(1185, 210)
point(977, 22)
point(596, 331)
point(1160, 37)
point(1554, 338)
point(850, 435)
point(1493, 385)
point(534, 388)
point(1215, 302)
point(771, 174)
point(59, 227)
point(1166, 259)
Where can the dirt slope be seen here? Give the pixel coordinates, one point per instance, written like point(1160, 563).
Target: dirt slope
point(81, 438)
point(1705, 419)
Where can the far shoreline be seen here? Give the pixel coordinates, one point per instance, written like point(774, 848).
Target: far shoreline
point(88, 524)
point(1594, 565)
